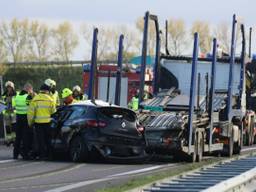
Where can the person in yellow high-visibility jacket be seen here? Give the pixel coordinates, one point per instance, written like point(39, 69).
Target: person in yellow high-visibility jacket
point(39, 114)
point(67, 97)
point(77, 93)
point(53, 92)
point(134, 103)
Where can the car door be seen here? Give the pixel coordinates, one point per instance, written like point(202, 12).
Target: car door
point(76, 118)
point(57, 122)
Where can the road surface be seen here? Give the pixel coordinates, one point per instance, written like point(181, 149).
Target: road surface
point(38, 176)
point(58, 176)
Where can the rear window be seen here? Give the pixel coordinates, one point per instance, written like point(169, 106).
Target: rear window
point(118, 113)
point(77, 112)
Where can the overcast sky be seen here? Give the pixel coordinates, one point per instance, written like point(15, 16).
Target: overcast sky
point(127, 11)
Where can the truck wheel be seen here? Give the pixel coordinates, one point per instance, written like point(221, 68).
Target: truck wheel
point(246, 139)
point(230, 146)
point(237, 148)
point(251, 131)
point(192, 157)
point(181, 156)
point(200, 145)
point(78, 150)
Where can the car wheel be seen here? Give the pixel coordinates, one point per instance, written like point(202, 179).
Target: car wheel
point(78, 150)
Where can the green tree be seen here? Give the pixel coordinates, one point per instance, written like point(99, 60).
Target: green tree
point(65, 41)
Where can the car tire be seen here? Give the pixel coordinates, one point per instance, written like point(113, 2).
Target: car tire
point(78, 150)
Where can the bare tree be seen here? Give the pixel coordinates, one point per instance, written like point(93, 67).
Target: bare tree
point(130, 44)
point(14, 38)
point(203, 30)
point(105, 40)
point(39, 37)
point(65, 41)
point(3, 57)
point(3, 52)
point(222, 33)
point(151, 31)
point(177, 35)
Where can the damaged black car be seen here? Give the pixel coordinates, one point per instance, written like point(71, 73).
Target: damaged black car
point(87, 129)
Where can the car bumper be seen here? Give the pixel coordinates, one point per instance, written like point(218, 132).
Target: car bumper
point(119, 151)
point(159, 146)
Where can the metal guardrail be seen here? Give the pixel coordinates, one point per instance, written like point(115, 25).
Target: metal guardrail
point(71, 62)
point(221, 177)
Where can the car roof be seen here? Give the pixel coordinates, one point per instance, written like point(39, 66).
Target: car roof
point(96, 103)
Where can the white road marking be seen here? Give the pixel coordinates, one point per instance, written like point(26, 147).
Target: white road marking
point(248, 149)
point(84, 183)
point(77, 185)
point(107, 169)
point(138, 171)
point(8, 161)
point(41, 175)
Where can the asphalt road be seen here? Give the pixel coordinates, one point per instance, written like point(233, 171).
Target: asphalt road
point(58, 176)
point(37, 176)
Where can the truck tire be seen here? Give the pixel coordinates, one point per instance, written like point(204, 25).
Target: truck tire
point(200, 147)
point(231, 146)
point(237, 148)
point(251, 136)
point(191, 157)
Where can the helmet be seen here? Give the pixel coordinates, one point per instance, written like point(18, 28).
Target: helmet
point(77, 88)
point(48, 82)
point(53, 83)
point(9, 84)
point(66, 92)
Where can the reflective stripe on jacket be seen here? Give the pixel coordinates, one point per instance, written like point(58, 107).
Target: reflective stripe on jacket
point(41, 108)
point(79, 98)
point(10, 104)
point(21, 105)
point(56, 98)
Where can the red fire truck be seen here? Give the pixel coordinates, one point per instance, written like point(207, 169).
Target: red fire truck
point(106, 79)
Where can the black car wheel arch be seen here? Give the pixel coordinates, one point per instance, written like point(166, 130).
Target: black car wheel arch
point(78, 149)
